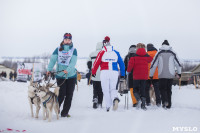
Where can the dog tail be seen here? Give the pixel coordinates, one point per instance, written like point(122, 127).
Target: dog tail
point(56, 91)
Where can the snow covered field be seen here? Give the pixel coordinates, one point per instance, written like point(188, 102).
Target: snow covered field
point(15, 113)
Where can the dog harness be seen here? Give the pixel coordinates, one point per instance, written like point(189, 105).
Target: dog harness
point(46, 101)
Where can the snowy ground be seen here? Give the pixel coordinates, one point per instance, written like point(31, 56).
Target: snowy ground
point(15, 113)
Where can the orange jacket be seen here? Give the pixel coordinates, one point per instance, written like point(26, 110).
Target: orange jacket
point(152, 54)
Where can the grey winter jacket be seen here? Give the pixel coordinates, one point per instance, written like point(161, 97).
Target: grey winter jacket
point(92, 58)
point(166, 60)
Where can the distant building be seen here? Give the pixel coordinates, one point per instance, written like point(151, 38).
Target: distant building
point(196, 70)
point(5, 69)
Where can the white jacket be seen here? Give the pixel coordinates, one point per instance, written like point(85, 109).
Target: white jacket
point(92, 57)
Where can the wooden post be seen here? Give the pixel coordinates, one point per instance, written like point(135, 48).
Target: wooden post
point(195, 82)
point(198, 81)
point(77, 81)
point(32, 78)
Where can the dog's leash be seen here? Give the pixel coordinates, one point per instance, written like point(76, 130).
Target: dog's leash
point(56, 81)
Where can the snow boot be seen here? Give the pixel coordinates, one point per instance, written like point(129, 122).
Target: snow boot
point(67, 115)
point(148, 104)
point(95, 103)
point(107, 109)
point(143, 103)
point(135, 105)
point(115, 104)
point(158, 104)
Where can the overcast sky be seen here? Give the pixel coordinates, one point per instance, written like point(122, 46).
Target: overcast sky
point(34, 27)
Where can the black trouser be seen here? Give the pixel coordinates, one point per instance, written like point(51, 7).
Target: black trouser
point(89, 80)
point(165, 86)
point(139, 89)
point(66, 93)
point(97, 91)
point(155, 83)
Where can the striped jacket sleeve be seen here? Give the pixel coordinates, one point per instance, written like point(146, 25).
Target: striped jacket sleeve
point(154, 65)
point(177, 63)
point(97, 62)
point(121, 64)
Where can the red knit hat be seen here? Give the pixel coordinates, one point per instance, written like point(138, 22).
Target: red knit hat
point(107, 39)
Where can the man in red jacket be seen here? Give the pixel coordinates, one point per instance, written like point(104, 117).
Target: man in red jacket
point(139, 64)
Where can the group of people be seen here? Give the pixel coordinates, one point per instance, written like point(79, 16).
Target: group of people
point(3, 74)
point(13, 75)
point(141, 68)
point(145, 67)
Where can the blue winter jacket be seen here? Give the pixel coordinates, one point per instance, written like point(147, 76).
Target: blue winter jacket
point(72, 72)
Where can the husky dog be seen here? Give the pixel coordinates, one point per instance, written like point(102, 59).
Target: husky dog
point(49, 101)
point(33, 98)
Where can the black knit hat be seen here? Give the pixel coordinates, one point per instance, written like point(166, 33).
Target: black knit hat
point(150, 47)
point(132, 46)
point(165, 42)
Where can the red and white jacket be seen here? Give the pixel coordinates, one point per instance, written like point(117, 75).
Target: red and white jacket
point(108, 59)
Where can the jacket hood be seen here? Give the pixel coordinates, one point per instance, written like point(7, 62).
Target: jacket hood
point(141, 52)
point(99, 46)
point(108, 48)
point(166, 47)
point(132, 50)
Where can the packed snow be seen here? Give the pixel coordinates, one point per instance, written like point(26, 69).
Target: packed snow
point(15, 113)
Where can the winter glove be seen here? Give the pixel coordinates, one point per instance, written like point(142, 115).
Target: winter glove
point(94, 75)
point(127, 73)
point(179, 75)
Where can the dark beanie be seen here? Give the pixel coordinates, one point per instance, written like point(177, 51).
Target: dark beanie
point(150, 47)
point(165, 42)
point(132, 46)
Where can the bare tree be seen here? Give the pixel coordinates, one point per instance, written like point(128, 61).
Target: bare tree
point(187, 66)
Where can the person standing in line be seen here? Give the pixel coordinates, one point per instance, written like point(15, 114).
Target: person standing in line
point(97, 89)
point(131, 53)
point(108, 59)
point(166, 60)
point(151, 51)
point(139, 65)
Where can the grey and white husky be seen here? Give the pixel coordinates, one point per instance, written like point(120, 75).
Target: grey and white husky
point(33, 98)
point(49, 101)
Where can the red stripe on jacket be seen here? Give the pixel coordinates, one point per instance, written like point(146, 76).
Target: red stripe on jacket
point(97, 62)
